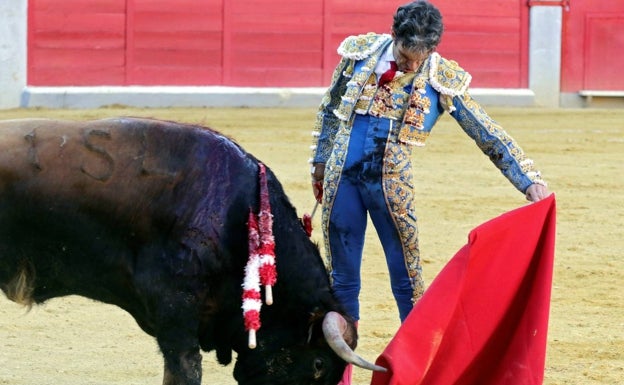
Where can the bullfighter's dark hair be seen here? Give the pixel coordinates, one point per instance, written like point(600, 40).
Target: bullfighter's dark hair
point(418, 26)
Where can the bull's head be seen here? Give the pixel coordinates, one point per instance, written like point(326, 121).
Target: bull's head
point(320, 360)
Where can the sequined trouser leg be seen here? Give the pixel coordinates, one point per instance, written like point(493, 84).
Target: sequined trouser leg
point(375, 180)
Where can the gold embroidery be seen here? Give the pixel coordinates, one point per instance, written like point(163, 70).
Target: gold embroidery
point(391, 99)
point(447, 77)
point(399, 193)
point(412, 129)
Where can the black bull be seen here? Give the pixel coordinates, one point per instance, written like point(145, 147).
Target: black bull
point(151, 216)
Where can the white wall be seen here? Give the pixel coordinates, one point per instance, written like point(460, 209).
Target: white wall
point(545, 54)
point(13, 32)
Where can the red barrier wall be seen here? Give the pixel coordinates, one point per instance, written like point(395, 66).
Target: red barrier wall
point(76, 42)
point(279, 43)
point(593, 46)
point(489, 39)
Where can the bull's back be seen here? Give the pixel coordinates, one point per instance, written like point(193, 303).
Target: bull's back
point(129, 167)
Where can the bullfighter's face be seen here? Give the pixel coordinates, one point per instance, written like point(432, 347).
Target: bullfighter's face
point(408, 60)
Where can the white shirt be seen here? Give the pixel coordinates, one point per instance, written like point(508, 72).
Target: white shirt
point(384, 61)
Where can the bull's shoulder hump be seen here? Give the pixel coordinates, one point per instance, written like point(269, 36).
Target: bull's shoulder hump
point(123, 128)
point(202, 135)
point(36, 127)
point(31, 122)
point(19, 121)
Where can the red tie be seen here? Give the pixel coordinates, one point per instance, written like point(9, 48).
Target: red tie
point(389, 74)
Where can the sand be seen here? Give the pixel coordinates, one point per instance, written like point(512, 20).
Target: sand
point(74, 340)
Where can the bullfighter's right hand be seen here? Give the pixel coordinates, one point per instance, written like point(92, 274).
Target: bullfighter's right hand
point(318, 174)
point(317, 190)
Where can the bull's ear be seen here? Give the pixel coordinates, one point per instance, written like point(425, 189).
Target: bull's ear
point(349, 332)
point(316, 334)
point(314, 325)
point(316, 316)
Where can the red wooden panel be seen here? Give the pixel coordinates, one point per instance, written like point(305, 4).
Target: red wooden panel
point(271, 22)
point(346, 17)
point(174, 44)
point(604, 51)
point(192, 22)
point(481, 8)
point(79, 40)
point(76, 42)
point(78, 76)
point(275, 7)
point(501, 61)
point(77, 30)
point(356, 24)
point(484, 77)
point(199, 41)
point(487, 38)
point(273, 43)
point(283, 60)
point(72, 21)
point(384, 9)
point(90, 6)
point(80, 58)
point(292, 42)
point(179, 76)
point(180, 57)
point(274, 77)
point(480, 43)
point(575, 56)
point(176, 6)
point(252, 43)
point(499, 24)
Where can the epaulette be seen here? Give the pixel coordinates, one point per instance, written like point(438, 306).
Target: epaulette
point(447, 77)
point(359, 47)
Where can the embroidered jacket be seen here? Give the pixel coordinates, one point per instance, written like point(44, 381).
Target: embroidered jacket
point(416, 100)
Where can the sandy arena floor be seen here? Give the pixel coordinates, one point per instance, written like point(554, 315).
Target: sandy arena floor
point(75, 341)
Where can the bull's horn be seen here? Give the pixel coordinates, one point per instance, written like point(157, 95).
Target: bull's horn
point(334, 325)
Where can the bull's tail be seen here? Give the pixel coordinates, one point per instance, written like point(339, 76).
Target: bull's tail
point(20, 288)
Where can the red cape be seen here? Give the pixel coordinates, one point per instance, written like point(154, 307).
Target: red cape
point(484, 319)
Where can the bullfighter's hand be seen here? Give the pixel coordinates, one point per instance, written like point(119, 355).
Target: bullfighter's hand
point(318, 174)
point(537, 192)
point(317, 190)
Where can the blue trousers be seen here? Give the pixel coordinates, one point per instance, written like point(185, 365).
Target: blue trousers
point(360, 192)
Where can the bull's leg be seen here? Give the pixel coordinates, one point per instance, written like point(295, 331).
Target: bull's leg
point(177, 336)
point(182, 362)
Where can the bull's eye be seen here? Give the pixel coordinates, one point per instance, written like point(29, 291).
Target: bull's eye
point(318, 368)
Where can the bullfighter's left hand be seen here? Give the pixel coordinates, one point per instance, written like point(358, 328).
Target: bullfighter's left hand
point(537, 192)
